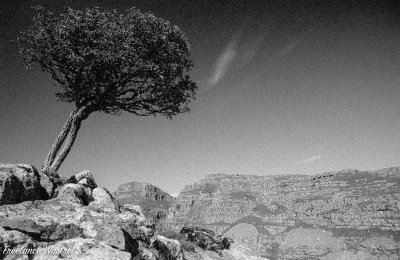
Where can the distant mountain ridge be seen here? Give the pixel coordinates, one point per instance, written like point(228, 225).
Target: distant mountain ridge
point(347, 214)
point(153, 201)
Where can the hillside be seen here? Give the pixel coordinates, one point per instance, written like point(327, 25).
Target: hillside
point(348, 214)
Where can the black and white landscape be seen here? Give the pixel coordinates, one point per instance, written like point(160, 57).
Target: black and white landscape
point(284, 141)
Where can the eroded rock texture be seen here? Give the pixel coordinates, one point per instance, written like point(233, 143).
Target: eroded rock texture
point(80, 217)
point(19, 182)
point(86, 222)
point(349, 214)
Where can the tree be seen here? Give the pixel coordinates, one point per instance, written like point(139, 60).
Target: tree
point(103, 60)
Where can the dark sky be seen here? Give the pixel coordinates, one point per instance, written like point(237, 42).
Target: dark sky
point(296, 87)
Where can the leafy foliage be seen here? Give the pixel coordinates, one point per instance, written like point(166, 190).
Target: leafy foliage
point(109, 61)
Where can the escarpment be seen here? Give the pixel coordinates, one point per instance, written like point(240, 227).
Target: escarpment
point(350, 214)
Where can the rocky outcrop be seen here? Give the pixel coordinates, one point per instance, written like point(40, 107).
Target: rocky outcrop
point(22, 182)
point(153, 201)
point(81, 217)
point(83, 221)
point(19, 182)
point(348, 214)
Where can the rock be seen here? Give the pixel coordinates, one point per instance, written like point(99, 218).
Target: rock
point(48, 185)
point(116, 237)
point(83, 248)
point(129, 210)
point(51, 182)
point(85, 179)
point(102, 198)
point(15, 239)
point(76, 224)
point(18, 183)
point(168, 248)
point(65, 218)
point(73, 193)
point(86, 174)
point(288, 216)
point(22, 224)
point(302, 243)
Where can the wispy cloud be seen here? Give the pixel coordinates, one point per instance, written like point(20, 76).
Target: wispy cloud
point(252, 49)
point(309, 160)
point(225, 59)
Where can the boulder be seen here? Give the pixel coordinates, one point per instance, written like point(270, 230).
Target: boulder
point(129, 211)
point(102, 199)
point(13, 239)
point(48, 185)
point(18, 183)
point(117, 237)
point(72, 192)
point(85, 179)
point(168, 248)
point(46, 222)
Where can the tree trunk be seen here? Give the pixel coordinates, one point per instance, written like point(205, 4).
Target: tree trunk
point(69, 141)
point(65, 139)
point(58, 143)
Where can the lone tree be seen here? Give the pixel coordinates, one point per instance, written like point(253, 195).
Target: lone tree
point(107, 61)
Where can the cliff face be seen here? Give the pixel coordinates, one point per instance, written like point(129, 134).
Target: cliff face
point(153, 201)
point(348, 214)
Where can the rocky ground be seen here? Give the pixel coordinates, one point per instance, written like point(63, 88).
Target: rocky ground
point(74, 219)
point(349, 214)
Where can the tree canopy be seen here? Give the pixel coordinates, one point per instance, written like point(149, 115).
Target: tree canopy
point(109, 61)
